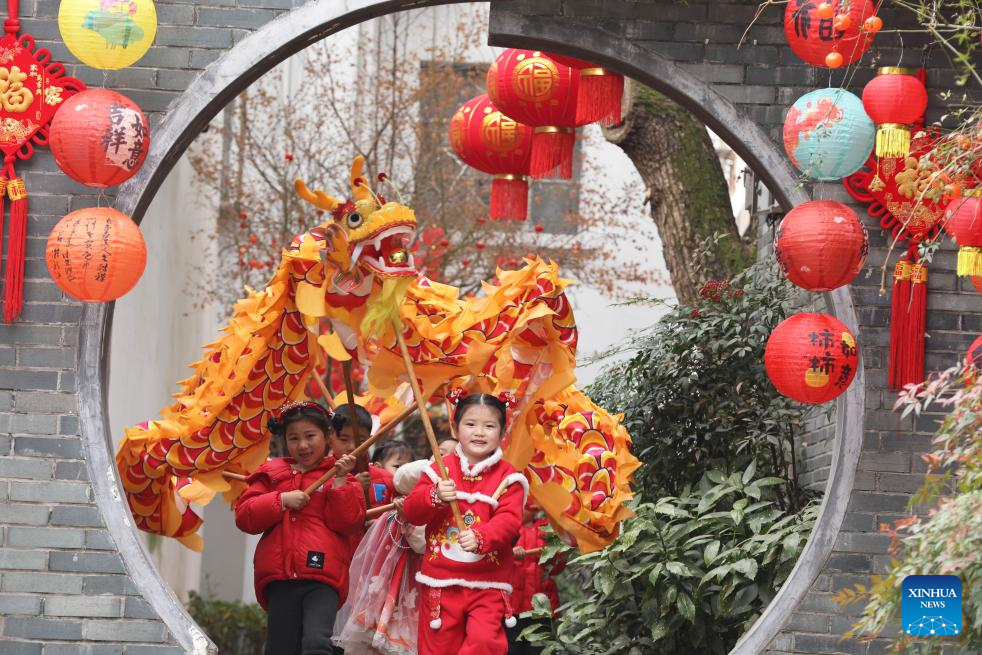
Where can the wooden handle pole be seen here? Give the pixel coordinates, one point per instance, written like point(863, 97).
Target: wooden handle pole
point(324, 391)
point(228, 475)
point(349, 387)
point(378, 510)
point(531, 552)
point(382, 431)
point(425, 417)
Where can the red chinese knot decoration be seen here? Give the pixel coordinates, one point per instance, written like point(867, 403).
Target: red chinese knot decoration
point(33, 89)
point(491, 142)
point(96, 254)
point(895, 99)
point(100, 138)
point(813, 38)
point(531, 88)
point(821, 245)
point(811, 358)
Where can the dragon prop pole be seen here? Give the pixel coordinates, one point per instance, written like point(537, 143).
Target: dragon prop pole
point(362, 465)
point(425, 417)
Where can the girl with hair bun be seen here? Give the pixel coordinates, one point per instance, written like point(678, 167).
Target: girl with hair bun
point(466, 574)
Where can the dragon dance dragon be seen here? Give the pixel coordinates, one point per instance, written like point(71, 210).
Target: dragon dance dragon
point(339, 291)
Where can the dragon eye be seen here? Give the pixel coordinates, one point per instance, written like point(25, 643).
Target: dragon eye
point(354, 220)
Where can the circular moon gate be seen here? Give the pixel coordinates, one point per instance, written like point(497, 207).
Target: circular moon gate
point(290, 33)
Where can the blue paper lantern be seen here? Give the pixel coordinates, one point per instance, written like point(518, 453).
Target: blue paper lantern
point(828, 135)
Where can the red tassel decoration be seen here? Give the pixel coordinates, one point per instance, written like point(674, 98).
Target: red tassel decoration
point(599, 97)
point(552, 152)
point(898, 323)
point(509, 198)
point(13, 290)
point(917, 316)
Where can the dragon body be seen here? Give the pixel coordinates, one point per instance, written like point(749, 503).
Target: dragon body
point(342, 289)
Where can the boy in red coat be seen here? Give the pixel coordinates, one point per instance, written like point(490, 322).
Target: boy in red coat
point(301, 562)
point(376, 481)
point(531, 578)
point(466, 575)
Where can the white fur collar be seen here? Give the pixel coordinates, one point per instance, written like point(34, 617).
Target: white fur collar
point(483, 465)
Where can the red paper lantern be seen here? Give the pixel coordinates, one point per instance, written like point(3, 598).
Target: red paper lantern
point(813, 38)
point(811, 358)
point(99, 138)
point(965, 227)
point(821, 245)
point(895, 99)
point(491, 142)
point(599, 97)
point(531, 88)
point(96, 254)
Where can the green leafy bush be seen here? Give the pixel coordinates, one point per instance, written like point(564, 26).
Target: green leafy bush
point(689, 574)
point(696, 395)
point(236, 628)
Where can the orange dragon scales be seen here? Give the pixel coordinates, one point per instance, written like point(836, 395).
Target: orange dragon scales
point(339, 290)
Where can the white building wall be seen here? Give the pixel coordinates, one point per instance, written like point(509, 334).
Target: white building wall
point(156, 333)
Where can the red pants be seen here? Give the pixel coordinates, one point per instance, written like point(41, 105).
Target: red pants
point(471, 622)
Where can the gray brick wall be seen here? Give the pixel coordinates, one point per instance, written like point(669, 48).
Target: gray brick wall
point(63, 588)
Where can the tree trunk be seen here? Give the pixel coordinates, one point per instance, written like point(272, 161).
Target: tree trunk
point(684, 182)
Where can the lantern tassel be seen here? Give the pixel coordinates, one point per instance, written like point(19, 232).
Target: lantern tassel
point(13, 288)
point(599, 97)
point(509, 198)
point(892, 140)
point(898, 322)
point(969, 261)
point(552, 152)
point(914, 359)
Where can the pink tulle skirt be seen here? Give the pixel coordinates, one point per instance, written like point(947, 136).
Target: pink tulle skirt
point(382, 610)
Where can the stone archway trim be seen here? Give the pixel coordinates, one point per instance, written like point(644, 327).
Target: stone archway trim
point(292, 32)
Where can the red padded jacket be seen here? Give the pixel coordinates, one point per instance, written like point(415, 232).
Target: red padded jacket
point(310, 544)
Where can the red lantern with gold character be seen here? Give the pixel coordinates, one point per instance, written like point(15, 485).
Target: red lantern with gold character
point(841, 33)
point(965, 227)
point(96, 254)
point(100, 138)
point(895, 99)
point(811, 358)
point(821, 245)
point(599, 97)
point(531, 88)
point(491, 142)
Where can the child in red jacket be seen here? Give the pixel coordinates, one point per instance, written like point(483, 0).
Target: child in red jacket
point(301, 562)
point(531, 578)
point(376, 481)
point(466, 574)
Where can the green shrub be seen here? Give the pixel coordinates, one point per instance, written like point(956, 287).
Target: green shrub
point(235, 627)
point(696, 395)
point(689, 574)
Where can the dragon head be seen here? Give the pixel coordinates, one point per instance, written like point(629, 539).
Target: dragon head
point(366, 233)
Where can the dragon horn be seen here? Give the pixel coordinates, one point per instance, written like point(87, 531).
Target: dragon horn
point(359, 185)
point(317, 198)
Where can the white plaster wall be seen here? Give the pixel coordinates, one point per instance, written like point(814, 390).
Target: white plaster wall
point(156, 333)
